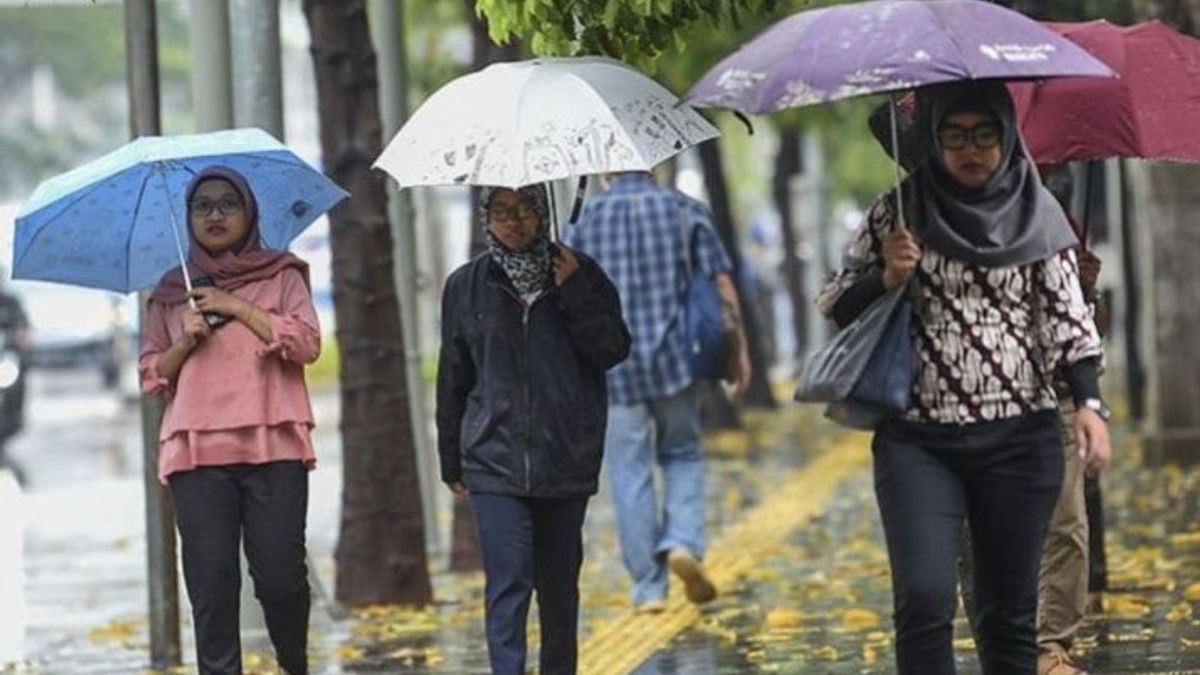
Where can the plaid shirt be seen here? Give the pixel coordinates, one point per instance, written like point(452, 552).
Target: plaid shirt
point(635, 231)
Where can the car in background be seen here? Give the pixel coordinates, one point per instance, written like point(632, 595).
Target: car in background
point(79, 328)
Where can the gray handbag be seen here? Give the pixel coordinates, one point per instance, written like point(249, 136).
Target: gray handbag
point(865, 371)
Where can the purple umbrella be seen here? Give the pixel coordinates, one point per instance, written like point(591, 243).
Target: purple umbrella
point(838, 52)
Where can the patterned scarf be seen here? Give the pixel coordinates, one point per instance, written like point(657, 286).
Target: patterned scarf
point(530, 270)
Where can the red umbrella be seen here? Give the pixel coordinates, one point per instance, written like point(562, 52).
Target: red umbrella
point(1150, 112)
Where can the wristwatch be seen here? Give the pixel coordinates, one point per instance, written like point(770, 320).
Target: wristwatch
point(1098, 406)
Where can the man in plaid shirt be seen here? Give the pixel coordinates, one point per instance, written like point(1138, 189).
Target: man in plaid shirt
point(636, 232)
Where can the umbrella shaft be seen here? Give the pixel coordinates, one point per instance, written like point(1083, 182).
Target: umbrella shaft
point(896, 164)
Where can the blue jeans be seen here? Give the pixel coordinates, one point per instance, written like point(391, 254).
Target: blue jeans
point(531, 545)
point(663, 432)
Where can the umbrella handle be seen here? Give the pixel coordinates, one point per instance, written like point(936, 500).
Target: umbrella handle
point(580, 193)
point(553, 203)
point(160, 167)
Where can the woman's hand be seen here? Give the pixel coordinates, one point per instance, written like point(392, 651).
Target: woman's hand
point(1095, 448)
point(195, 328)
point(211, 299)
point(458, 488)
point(901, 255)
point(565, 264)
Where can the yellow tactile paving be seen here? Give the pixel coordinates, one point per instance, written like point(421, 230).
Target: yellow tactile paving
point(623, 642)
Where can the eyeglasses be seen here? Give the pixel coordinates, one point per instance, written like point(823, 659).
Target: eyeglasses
point(983, 136)
point(518, 212)
point(203, 208)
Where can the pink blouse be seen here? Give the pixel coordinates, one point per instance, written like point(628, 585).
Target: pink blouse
point(237, 399)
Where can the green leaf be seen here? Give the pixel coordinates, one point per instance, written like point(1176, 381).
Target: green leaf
point(611, 10)
point(679, 40)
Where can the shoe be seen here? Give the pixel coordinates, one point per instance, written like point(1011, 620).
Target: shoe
point(650, 607)
point(1057, 662)
point(696, 584)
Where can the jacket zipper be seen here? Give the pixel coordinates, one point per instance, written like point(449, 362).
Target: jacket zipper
point(526, 308)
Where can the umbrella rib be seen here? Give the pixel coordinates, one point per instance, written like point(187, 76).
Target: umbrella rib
point(90, 189)
point(133, 226)
point(950, 35)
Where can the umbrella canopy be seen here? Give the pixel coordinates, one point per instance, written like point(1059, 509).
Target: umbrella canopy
point(838, 52)
point(1150, 112)
point(119, 223)
point(515, 124)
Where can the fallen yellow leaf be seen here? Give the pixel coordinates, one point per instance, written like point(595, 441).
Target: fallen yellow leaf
point(1126, 606)
point(348, 653)
point(1180, 612)
point(859, 619)
point(119, 630)
point(784, 618)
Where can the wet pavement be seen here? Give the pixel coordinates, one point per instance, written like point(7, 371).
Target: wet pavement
point(823, 603)
point(797, 552)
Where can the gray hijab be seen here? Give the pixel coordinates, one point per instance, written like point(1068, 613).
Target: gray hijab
point(530, 270)
point(1013, 220)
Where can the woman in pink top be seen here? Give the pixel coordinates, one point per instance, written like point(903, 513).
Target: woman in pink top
point(235, 444)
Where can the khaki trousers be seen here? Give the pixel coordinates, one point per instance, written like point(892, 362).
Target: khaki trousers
point(1063, 579)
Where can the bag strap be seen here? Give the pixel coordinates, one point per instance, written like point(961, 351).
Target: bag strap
point(686, 236)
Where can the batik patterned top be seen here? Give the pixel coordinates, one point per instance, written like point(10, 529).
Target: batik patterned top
point(989, 341)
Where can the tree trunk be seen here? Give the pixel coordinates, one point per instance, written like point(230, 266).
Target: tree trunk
point(1166, 202)
point(759, 393)
point(787, 166)
point(1168, 246)
point(1133, 285)
point(380, 553)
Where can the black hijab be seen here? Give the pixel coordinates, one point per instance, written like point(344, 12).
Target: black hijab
point(1012, 220)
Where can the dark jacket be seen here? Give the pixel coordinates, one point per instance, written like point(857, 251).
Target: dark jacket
point(521, 399)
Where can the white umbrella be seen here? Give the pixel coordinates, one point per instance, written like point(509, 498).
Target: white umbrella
point(516, 124)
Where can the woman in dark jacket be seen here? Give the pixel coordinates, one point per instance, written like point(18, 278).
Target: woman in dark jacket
point(1000, 318)
point(528, 331)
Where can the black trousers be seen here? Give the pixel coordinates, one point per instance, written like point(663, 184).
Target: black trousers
point(217, 508)
point(528, 545)
point(1003, 478)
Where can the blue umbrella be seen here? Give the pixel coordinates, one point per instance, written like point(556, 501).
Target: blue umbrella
point(120, 222)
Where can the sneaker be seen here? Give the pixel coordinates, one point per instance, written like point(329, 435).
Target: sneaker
point(696, 584)
point(650, 607)
point(1057, 662)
